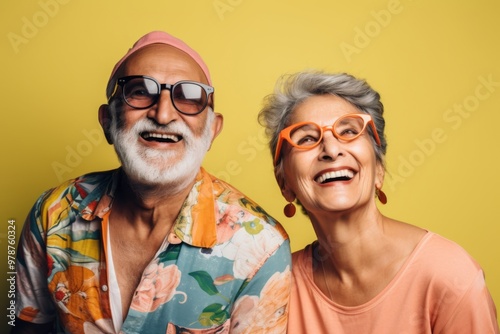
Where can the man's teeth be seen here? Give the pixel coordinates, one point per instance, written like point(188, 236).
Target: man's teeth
point(160, 136)
point(344, 174)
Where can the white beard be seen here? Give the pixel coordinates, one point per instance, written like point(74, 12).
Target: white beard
point(149, 166)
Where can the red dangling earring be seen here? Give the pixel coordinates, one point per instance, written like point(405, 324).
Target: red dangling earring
point(289, 210)
point(381, 196)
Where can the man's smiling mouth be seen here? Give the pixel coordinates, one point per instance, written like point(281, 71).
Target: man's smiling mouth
point(161, 137)
point(332, 176)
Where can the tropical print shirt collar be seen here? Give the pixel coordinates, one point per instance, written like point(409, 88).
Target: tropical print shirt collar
point(195, 225)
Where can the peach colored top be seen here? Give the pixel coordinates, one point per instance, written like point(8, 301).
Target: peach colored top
point(440, 289)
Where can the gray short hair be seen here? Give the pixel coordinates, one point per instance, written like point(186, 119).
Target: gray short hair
point(291, 90)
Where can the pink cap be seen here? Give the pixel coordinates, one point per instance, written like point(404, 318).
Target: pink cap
point(156, 37)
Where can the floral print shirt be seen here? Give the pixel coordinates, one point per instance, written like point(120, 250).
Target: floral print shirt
point(224, 268)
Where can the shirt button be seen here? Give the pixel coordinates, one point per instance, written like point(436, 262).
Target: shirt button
point(104, 288)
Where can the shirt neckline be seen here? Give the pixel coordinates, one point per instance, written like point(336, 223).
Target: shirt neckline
point(306, 267)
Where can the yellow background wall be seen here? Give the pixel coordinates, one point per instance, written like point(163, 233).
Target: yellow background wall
point(435, 63)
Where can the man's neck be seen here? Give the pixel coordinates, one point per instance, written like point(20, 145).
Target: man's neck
point(149, 204)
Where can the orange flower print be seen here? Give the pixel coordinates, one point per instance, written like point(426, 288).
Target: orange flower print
point(28, 313)
point(158, 286)
point(228, 225)
point(76, 294)
point(223, 279)
point(50, 265)
point(267, 313)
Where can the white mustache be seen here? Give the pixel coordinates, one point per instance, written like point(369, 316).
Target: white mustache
point(145, 125)
point(148, 165)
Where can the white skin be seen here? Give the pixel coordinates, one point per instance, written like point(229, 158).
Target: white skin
point(360, 249)
point(158, 174)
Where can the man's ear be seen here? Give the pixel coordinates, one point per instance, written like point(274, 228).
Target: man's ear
point(105, 121)
point(217, 126)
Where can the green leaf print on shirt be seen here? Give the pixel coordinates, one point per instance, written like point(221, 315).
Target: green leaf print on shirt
point(214, 314)
point(205, 282)
point(170, 254)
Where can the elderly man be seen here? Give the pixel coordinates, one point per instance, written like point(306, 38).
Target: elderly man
point(158, 245)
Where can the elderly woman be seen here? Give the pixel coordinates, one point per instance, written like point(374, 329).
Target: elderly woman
point(366, 273)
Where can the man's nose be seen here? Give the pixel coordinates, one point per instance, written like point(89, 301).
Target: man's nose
point(163, 112)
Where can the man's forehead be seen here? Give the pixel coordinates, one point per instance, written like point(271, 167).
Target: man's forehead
point(155, 37)
point(162, 56)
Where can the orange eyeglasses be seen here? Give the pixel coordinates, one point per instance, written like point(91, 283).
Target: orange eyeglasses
point(307, 135)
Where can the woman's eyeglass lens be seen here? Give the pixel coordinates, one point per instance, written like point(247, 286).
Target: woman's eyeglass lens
point(307, 135)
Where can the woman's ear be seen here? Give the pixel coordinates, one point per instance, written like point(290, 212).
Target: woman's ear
point(287, 193)
point(105, 121)
point(379, 175)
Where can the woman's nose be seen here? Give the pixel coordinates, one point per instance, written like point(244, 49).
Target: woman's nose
point(331, 147)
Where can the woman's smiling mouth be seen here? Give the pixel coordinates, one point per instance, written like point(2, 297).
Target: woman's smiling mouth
point(332, 176)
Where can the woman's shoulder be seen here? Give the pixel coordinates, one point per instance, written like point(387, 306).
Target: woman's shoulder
point(438, 256)
point(302, 260)
point(432, 250)
point(445, 249)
